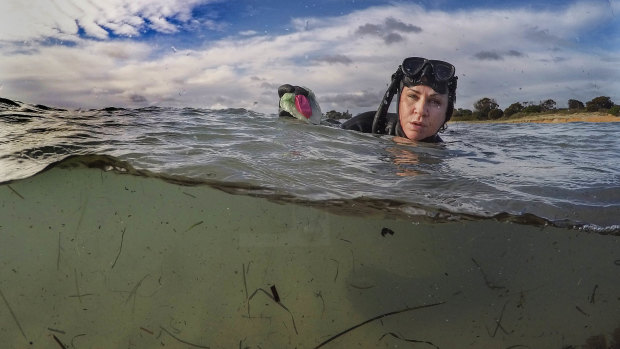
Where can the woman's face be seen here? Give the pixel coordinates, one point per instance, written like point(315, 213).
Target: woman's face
point(422, 111)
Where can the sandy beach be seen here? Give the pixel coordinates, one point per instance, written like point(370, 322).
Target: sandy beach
point(552, 118)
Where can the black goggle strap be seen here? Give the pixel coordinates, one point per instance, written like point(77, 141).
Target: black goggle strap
point(378, 123)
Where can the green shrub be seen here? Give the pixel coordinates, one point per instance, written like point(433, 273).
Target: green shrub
point(480, 115)
point(512, 109)
point(495, 114)
point(615, 110)
point(485, 105)
point(574, 104)
point(332, 114)
point(517, 115)
point(598, 103)
point(549, 104)
point(461, 113)
point(532, 109)
point(469, 117)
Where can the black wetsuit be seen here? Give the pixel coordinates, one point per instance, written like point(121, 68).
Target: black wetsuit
point(363, 123)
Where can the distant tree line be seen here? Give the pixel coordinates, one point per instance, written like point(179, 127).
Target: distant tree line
point(488, 109)
point(332, 114)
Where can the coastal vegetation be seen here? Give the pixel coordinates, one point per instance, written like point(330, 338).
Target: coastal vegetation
point(336, 115)
point(487, 109)
point(599, 109)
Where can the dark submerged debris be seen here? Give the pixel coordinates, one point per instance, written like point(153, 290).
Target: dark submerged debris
point(486, 279)
point(77, 286)
point(194, 226)
point(55, 330)
point(521, 300)
point(319, 295)
point(133, 292)
point(147, 331)
point(120, 248)
point(362, 287)
point(8, 306)
point(15, 192)
point(62, 345)
point(386, 231)
point(58, 257)
point(278, 303)
point(337, 268)
point(274, 292)
point(406, 339)
point(245, 286)
point(596, 342)
point(80, 295)
point(593, 294)
point(617, 262)
point(241, 344)
point(183, 341)
point(498, 323)
point(581, 310)
point(378, 317)
point(74, 337)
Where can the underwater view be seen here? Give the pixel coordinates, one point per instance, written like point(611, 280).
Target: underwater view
point(230, 228)
point(309, 174)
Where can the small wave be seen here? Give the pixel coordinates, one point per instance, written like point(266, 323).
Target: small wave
point(476, 174)
point(361, 206)
point(9, 103)
point(609, 230)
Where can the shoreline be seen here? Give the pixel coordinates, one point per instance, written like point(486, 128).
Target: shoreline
point(555, 118)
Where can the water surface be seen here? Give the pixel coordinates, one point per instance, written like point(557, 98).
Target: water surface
point(200, 228)
point(564, 173)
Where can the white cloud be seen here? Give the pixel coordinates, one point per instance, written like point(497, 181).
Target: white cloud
point(41, 19)
point(511, 55)
point(248, 32)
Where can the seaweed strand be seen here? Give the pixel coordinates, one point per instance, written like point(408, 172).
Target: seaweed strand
point(120, 248)
point(13, 315)
point(376, 318)
point(406, 339)
point(183, 341)
point(278, 303)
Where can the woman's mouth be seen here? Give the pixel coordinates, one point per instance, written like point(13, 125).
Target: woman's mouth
point(416, 125)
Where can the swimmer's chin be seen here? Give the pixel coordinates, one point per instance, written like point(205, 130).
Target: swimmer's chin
point(402, 140)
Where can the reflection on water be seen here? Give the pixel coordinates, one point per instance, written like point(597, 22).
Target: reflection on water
point(405, 160)
point(555, 171)
point(99, 259)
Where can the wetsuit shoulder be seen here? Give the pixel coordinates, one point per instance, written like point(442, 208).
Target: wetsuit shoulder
point(363, 122)
point(433, 139)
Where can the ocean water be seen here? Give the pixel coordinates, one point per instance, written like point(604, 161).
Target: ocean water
point(229, 228)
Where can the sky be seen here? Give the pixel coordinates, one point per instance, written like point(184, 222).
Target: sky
point(234, 54)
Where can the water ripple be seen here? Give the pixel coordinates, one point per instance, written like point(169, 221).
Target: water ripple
point(556, 171)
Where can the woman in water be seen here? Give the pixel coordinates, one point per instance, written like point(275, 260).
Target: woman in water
point(426, 92)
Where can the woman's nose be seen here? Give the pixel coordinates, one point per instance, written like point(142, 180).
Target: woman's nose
point(421, 106)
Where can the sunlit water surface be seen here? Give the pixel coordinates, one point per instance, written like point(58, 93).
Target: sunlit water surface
point(564, 173)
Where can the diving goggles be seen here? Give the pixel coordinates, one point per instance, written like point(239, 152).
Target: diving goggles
point(442, 71)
